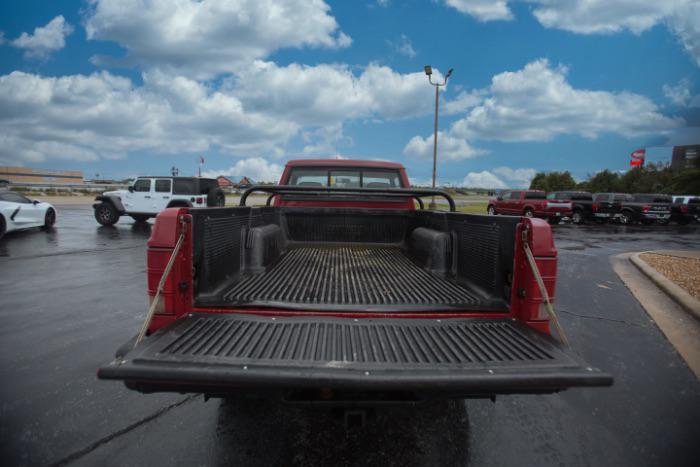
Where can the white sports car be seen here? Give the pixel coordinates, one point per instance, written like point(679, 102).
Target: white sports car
point(18, 212)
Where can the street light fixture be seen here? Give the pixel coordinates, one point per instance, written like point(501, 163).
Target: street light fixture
point(429, 73)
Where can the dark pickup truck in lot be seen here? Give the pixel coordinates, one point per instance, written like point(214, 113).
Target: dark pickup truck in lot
point(646, 208)
point(608, 206)
point(341, 290)
point(685, 209)
point(582, 206)
point(529, 203)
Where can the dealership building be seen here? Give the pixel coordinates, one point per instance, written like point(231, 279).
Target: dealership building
point(26, 175)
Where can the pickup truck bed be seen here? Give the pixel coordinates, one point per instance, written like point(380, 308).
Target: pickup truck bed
point(393, 304)
point(353, 260)
point(371, 277)
point(423, 357)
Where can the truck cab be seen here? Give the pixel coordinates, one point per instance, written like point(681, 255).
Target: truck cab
point(330, 173)
point(344, 292)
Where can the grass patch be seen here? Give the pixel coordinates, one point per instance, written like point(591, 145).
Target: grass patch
point(473, 208)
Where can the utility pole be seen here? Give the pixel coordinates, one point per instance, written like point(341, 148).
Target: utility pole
point(429, 73)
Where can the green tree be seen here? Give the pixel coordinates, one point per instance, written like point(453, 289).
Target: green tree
point(539, 182)
point(559, 181)
point(604, 181)
point(553, 181)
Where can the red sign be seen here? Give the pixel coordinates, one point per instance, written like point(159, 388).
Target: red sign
point(638, 157)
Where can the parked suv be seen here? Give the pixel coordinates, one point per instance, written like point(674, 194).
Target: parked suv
point(147, 196)
point(529, 203)
point(582, 206)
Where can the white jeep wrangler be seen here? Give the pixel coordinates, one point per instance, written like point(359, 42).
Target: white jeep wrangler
point(147, 196)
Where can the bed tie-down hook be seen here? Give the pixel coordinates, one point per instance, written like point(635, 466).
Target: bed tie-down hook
point(540, 284)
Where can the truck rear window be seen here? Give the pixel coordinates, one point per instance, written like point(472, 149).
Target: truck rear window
point(344, 178)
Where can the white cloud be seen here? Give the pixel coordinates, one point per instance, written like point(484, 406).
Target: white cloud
point(637, 16)
point(45, 39)
point(256, 168)
point(209, 37)
point(483, 10)
point(463, 102)
point(484, 179)
point(323, 94)
point(449, 148)
point(324, 141)
point(517, 177)
point(605, 16)
point(403, 46)
point(102, 115)
point(500, 177)
point(383, 3)
point(601, 16)
point(537, 104)
point(684, 22)
point(678, 94)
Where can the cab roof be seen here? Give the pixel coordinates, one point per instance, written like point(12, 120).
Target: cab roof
point(343, 163)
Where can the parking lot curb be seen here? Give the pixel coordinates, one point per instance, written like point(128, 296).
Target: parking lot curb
point(674, 291)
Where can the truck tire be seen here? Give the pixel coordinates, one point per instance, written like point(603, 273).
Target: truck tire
point(529, 213)
point(216, 197)
point(106, 214)
point(626, 217)
point(2, 226)
point(491, 211)
point(577, 217)
point(49, 219)
point(138, 218)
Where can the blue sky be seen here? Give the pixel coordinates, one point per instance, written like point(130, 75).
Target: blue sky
point(124, 87)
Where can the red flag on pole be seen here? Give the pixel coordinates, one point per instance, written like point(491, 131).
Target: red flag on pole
point(638, 157)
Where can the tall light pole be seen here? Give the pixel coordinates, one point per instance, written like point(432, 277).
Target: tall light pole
point(429, 73)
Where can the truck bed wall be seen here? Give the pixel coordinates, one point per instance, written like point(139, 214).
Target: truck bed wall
point(474, 250)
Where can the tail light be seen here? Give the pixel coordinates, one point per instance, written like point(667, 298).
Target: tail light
point(200, 200)
point(594, 206)
point(684, 208)
point(646, 208)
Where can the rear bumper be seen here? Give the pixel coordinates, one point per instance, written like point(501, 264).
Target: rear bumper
point(656, 215)
point(220, 354)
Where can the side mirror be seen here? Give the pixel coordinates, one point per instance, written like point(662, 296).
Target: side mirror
point(35, 202)
point(131, 189)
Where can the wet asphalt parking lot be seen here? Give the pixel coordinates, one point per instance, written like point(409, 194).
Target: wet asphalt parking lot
point(70, 297)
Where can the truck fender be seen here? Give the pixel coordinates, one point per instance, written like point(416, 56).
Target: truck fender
point(113, 200)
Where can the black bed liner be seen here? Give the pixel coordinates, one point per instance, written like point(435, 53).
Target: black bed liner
point(346, 277)
point(220, 353)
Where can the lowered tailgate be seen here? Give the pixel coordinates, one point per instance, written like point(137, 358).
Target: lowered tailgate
point(218, 353)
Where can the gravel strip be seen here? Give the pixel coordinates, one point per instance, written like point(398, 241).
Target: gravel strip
point(684, 272)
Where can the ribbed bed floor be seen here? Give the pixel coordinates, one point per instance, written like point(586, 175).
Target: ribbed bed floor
point(348, 275)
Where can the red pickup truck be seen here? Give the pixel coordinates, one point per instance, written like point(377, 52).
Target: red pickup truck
point(530, 203)
point(343, 289)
